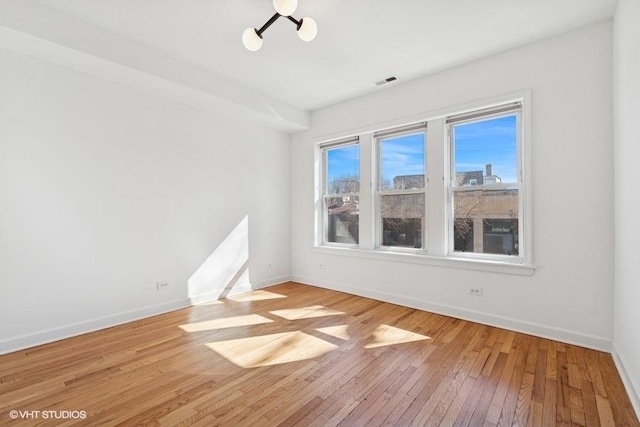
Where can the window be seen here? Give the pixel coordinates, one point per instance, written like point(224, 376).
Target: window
point(401, 189)
point(341, 189)
point(462, 196)
point(484, 184)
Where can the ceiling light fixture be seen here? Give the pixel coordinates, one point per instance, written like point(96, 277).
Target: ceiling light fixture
point(306, 27)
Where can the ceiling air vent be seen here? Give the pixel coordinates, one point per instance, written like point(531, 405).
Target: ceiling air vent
point(386, 80)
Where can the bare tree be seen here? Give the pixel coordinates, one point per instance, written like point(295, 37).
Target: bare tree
point(344, 184)
point(467, 206)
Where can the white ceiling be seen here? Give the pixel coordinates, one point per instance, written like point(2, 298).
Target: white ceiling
point(358, 42)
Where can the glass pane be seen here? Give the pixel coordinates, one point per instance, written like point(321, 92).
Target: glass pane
point(402, 217)
point(402, 162)
point(343, 169)
point(343, 222)
point(486, 221)
point(463, 235)
point(486, 152)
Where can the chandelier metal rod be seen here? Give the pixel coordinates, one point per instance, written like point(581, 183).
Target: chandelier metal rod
point(298, 23)
point(273, 19)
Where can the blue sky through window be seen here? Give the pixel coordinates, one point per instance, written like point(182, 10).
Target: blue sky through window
point(343, 162)
point(402, 155)
point(477, 144)
point(492, 141)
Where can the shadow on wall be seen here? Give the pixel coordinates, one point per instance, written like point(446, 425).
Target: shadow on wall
point(226, 270)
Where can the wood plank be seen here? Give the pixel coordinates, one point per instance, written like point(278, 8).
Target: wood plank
point(539, 382)
point(549, 408)
point(523, 406)
point(577, 407)
point(604, 411)
point(484, 403)
point(590, 405)
point(497, 403)
point(508, 409)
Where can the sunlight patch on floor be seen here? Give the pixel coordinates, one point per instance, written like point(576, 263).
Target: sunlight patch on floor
point(225, 322)
point(390, 335)
point(214, 302)
point(272, 349)
point(255, 296)
point(338, 331)
point(305, 312)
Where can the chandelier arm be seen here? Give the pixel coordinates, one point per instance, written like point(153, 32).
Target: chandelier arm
point(298, 23)
point(273, 19)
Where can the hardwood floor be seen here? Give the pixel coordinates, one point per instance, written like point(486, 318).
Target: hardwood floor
point(299, 355)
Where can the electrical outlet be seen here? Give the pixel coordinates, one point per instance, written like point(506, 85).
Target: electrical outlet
point(269, 266)
point(322, 266)
point(161, 286)
point(475, 292)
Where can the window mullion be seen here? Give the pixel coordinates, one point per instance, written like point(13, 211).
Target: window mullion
point(435, 199)
point(367, 236)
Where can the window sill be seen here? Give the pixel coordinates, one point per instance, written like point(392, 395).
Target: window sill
point(490, 266)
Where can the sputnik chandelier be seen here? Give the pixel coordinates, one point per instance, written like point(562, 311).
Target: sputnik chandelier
point(306, 27)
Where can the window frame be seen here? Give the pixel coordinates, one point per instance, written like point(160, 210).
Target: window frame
point(378, 138)
point(475, 116)
point(325, 195)
point(436, 240)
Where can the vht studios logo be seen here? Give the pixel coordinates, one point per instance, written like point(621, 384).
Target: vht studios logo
point(50, 415)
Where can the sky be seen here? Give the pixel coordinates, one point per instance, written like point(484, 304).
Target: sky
point(489, 141)
point(343, 161)
point(476, 145)
point(402, 155)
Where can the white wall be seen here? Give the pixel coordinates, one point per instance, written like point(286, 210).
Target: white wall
point(106, 190)
point(569, 297)
point(627, 197)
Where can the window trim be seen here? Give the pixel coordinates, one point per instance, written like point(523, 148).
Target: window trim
point(435, 253)
point(324, 195)
point(378, 193)
point(505, 110)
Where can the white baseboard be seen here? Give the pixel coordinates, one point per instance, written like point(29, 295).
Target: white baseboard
point(271, 282)
point(630, 382)
point(68, 331)
point(44, 337)
point(92, 325)
point(212, 296)
point(598, 343)
point(557, 334)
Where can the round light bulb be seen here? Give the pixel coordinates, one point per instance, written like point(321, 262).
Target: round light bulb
point(308, 30)
point(251, 40)
point(285, 7)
